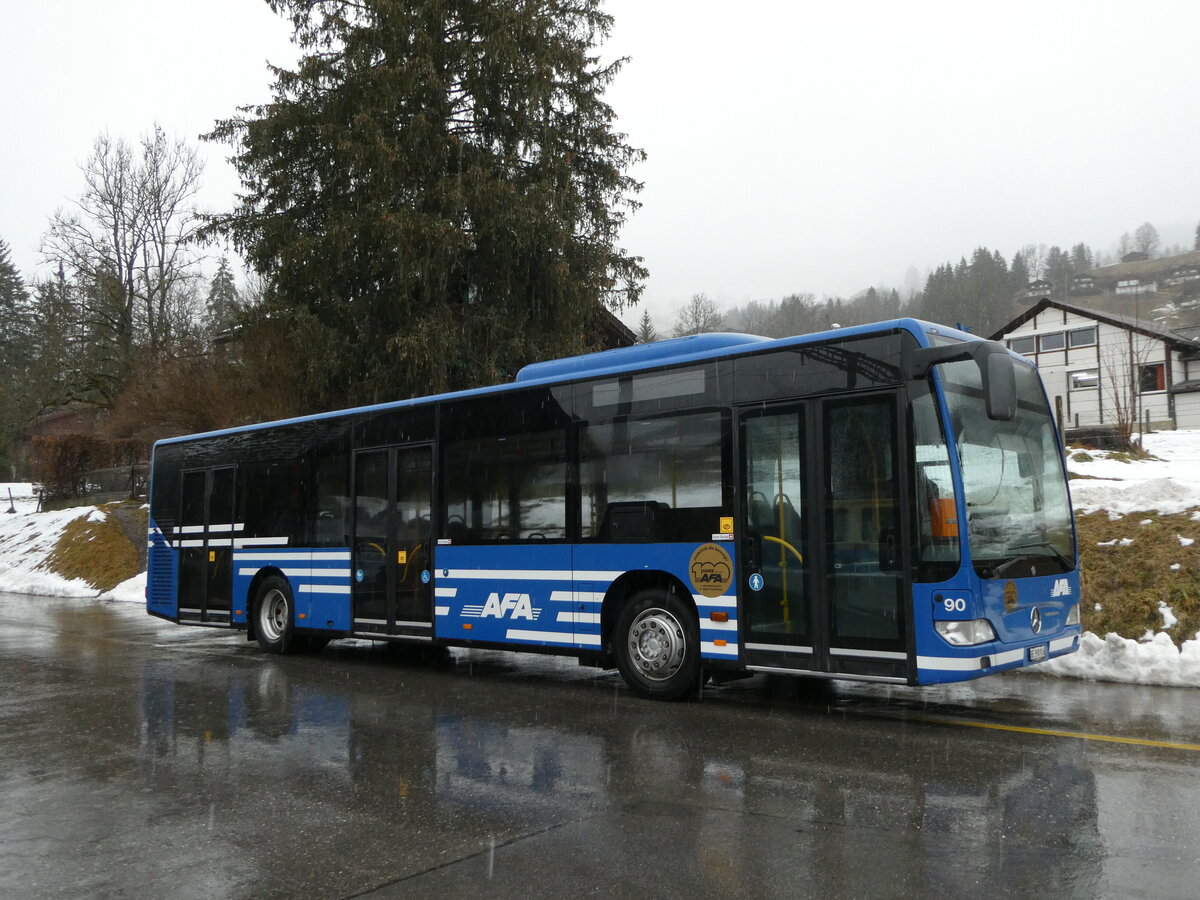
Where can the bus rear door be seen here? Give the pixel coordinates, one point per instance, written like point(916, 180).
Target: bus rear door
point(206, 532)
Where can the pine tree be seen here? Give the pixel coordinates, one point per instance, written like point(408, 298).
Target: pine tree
point(16, 332)
point(1081, 258)
point(1018, 275)
point(646, 333)
point(222, 301)
point(435, 191)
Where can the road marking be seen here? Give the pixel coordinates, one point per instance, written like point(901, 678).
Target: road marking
point(1050, 732)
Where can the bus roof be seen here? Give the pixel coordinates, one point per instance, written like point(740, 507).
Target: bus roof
point(674, 351)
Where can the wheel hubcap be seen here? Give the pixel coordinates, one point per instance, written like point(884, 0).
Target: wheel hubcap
point(657, 644)
point(273, 616)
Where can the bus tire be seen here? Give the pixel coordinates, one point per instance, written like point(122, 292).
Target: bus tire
point(657, 643)
point(273, 615)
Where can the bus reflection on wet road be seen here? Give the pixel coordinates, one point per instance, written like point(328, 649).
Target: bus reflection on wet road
point(142, 759)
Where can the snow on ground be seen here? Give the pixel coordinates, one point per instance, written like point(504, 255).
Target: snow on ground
point(1168, 484)
point(27, 538)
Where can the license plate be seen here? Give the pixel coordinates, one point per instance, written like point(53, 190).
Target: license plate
point(1038, 653)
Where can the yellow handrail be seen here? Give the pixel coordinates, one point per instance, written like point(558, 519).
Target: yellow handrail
point(786, 545)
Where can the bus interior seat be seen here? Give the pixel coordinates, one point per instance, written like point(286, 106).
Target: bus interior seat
point(632, 520)
point(759, 511)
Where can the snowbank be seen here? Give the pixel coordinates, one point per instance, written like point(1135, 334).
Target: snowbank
point(1114, 658)
point(27, 538)
point(1168, 484)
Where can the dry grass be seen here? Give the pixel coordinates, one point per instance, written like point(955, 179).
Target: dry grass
point(96, 552)
point(1130, 581)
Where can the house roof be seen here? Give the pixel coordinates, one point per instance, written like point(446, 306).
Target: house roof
point(1146, 327)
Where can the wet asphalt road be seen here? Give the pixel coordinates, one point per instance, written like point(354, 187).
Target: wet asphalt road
point(143, 759)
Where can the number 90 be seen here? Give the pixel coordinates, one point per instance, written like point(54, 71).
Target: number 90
point(955, 604)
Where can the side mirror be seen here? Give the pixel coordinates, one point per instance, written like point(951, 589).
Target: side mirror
point(996, 372)
point(999, 386)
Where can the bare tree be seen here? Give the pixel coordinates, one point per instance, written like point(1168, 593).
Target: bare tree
point(1145, 239)
point(1035, 260)
point(124, 247)
point(699, 316)
point(1122, 364)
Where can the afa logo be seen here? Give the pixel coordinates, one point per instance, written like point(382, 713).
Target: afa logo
point(512, 606)
point(710, 570)
point(1062, 588)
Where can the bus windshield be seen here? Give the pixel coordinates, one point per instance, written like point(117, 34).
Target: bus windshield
point(1018, 510)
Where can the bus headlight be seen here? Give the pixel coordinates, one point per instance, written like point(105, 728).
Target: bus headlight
point(966, 634)
point(1073, 615)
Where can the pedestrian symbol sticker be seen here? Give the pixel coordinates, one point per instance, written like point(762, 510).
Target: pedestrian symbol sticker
point(756, 582)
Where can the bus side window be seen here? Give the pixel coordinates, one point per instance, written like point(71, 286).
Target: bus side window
point(331, 528)
point(652, 478)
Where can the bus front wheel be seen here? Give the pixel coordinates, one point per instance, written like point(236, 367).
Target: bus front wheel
point(273, 616)
point(658, 646)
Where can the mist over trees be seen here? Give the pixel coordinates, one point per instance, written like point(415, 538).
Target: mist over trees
point(979, 293)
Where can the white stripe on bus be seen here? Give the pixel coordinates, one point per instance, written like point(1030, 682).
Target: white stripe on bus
point(703, 602)
point(967, 664)
point(779, 648)
point(553, 637)
point(531, 575)
point(441, 610)
point(299, 573)
point(290, 553)
point(576, 596)
point(867, 654)
point(579, 618)
point(710, 625)
point(710, 647)
point(342, 589)
point(445, 592)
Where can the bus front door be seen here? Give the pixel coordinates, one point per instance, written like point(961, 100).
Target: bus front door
point(205, 534)
point(823, 580)
point(392, 591)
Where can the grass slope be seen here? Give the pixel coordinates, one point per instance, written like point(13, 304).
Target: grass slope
point(95, 549)
point(1136, 568)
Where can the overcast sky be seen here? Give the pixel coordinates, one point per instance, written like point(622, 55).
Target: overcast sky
point(793, 146)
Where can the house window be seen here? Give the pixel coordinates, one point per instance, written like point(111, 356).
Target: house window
point(1083, 380)
point(1082, 337)
point(1055, 341)
point(1152, 378)
point(1025, 345)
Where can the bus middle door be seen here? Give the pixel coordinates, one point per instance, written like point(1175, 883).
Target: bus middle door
point(393, 592)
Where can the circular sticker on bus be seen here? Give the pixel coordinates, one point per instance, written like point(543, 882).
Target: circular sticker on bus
point(710, 570)
point(756, 582)
point(1010, 597)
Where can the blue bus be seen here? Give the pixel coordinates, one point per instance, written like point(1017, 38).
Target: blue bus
point(883, 503)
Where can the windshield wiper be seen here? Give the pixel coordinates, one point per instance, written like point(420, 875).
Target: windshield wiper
point(997, 571)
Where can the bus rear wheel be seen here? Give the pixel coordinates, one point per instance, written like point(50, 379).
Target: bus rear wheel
point(273, 616)
point(657, 644)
